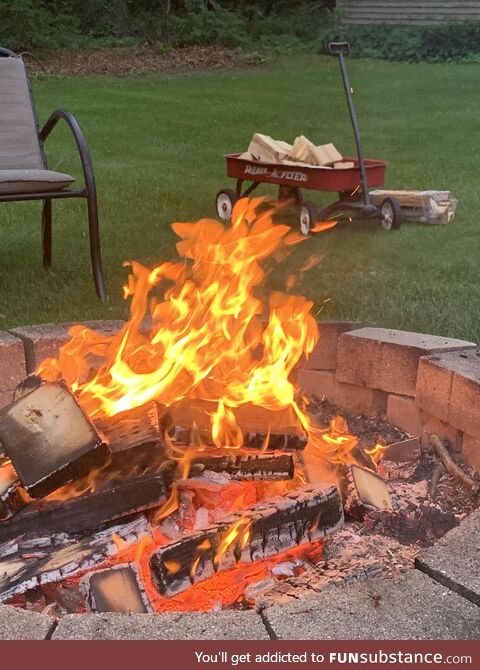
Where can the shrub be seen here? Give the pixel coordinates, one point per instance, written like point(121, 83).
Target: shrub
point(443, 42)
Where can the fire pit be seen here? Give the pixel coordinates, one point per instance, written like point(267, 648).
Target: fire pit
point(212, 453)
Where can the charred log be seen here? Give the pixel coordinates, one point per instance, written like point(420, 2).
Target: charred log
point(241, 466)
point(49, 439)
point(137, 426)
point(90, 510)
point(31, 562)
point(250, 418)
point(262, 530)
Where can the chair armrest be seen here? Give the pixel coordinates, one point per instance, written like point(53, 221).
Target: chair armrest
point(80, 141)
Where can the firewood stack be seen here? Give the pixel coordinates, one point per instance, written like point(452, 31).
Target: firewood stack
point(264, 149)
point(437, 207)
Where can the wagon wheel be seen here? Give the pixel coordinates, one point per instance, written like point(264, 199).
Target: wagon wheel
point(391, 215)
point(225, 201)
point(308, 216)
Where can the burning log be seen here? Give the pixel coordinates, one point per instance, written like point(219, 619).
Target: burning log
point(33, 562)
point(117, 589)
point(131, 428)
point(265, 529)
point(241, 466)
point(363, 490)
point(277, 442)
point(49, 439)
point(90, 510)
point(249, 417)
point(251, 440)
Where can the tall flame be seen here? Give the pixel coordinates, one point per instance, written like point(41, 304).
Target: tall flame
point(209, 337)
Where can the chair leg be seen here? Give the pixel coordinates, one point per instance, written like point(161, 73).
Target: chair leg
point(95, 253)
point(47, 233)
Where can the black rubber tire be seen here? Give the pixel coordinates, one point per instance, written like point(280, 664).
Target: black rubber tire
point(308, 215)
point(391, 214)
point(224, 201)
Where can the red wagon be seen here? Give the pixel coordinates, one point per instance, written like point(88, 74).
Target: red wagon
point(351, 183)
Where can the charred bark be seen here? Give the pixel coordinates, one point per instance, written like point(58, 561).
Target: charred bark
point(243, 466)
point(134, 427)
point(265, 529)
point(89, 511)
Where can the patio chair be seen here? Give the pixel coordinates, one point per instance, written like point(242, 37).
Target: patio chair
point(24, 174)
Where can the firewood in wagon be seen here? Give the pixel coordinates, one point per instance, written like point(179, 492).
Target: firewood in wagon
point(49, 439)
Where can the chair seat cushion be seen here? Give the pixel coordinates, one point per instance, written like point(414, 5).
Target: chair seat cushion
point(32, 181)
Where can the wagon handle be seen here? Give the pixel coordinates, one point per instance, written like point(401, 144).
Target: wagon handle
point(339, 47)
point(342, 49)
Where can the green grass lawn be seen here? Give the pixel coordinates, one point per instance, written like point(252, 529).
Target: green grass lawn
point(157, 145)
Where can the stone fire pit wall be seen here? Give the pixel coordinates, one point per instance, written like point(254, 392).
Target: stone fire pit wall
point(422, 383)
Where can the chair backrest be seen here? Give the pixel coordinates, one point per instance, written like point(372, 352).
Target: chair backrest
point(20, 146)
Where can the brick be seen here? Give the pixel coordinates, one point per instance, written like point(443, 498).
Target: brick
point(471, 451)
point(434, 385)
point(371, 402)
point(12, 366)
point(404, 413)
point(320, 383)
point(449, 388)
point(431, 424)
point(324, 355)
point(388, 359)
point(45, 340)
point(464, 410)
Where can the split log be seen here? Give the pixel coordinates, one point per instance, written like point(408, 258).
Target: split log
point(251, 440)
point(116, 589)
point(49, 439)
point(362, 490)
point(25, 569)
point(277, 442)
point(90, 510)
point(240, 466)
point(131, 428)
point(265, 529)
point(250, 418)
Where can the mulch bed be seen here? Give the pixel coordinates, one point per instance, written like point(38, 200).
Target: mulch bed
point(121, 62)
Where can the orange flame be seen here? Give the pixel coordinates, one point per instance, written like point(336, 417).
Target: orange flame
point(207, 339)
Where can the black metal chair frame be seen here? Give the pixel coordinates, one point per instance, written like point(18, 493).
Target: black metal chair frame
point(89, 190)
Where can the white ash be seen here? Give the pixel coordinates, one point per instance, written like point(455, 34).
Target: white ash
point(21, 572)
